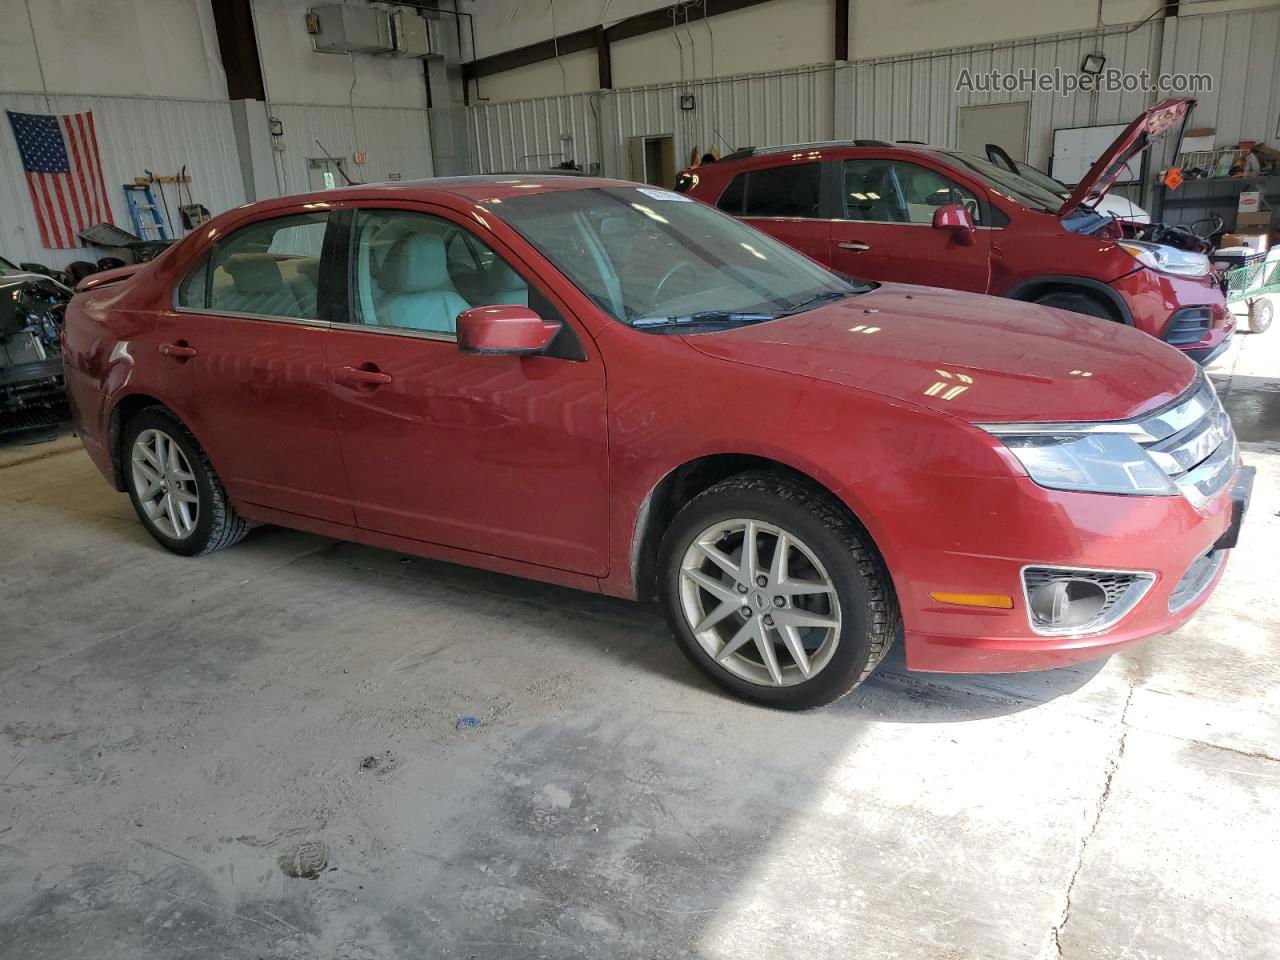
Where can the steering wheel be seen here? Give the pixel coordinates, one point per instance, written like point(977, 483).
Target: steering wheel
point(1215, 224)
point(657, 290)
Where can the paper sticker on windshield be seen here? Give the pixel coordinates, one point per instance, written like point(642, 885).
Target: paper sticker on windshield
point(664, 195)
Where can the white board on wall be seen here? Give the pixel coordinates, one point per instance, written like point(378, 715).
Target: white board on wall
point(1076, 149)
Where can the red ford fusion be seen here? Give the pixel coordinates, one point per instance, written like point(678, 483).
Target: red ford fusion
point(918, 214)
point(616, 388)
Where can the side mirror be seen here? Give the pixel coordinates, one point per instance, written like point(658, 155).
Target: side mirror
point(957, 220)
point(504, 329)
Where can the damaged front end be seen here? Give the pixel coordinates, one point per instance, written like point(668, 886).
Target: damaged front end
point(32, 388)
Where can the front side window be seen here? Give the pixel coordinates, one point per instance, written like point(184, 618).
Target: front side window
point(1019, 189)
point(414, 271)
point(270, 268)
point(785, 191)
point(893, 191)
point(656, 259)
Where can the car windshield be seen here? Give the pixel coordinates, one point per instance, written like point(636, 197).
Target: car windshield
point(7, 268)
point(1041, 179)
point(655, 259)
point(1016, 188)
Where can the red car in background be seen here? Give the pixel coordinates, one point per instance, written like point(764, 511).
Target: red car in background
point(943, 218)
point(615, 388)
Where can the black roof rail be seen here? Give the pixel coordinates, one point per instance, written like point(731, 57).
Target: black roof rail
point(784, 147)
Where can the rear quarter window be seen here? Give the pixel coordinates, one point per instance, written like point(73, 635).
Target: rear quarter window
point(784, 191)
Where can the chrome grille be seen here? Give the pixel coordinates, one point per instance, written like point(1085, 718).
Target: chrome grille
point(1123, 589)
point(1196, 580)
point(1193, 442)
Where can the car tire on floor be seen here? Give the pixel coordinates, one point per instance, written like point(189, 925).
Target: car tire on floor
point(174, 488)
point(792, 633)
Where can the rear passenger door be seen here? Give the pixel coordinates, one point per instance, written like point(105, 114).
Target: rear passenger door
point(248, 373)
point(783, 200)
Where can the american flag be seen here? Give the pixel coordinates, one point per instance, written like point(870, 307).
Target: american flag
point(64, 174)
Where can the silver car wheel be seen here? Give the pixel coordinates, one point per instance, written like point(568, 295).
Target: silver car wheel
point(165, 484)
point(759, 602)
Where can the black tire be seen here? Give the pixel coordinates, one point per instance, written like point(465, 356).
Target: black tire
point(1076, 302)
point(870, 618)
point(217, 523)
point(1261, 313)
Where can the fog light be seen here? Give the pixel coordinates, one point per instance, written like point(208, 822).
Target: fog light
point(1067, 603)
point(1066, 600)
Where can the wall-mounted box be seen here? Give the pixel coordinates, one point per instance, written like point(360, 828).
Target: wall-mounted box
point(410, 34)
point(345, 28)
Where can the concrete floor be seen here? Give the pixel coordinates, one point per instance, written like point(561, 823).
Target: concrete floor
point(180, 738)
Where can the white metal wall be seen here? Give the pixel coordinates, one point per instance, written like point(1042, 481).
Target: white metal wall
point(395, 139)
point(134, 134)
point(914, 97)
point(1242, 53)
point(588, 128)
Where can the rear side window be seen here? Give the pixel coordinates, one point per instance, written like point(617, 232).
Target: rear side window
point(787, 191)
point(270, 268)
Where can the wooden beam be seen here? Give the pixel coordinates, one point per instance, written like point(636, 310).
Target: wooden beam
point(588, 39)
point(842, 30)
point(604, 60)
point(238, 49)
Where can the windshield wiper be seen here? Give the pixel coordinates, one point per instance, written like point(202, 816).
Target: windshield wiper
point(702, 318)
point(815, 300)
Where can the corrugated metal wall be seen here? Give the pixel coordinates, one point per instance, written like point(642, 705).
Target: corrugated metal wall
point(914, 97)
point(395, 138)
point(134, 134)
point(1241, 51)
point(591, 128)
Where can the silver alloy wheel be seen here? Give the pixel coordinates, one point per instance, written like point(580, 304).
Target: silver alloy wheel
point(165, 484)
point(759, 602)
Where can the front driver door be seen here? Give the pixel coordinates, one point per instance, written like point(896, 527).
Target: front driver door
point(885, 227)
point(500, 455)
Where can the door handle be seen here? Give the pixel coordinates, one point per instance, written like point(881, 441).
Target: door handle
point(854, 245)
point(363, 376)
point(181, 350)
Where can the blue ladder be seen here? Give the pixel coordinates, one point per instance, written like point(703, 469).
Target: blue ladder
point(147, 222)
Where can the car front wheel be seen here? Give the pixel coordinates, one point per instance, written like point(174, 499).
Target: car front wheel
point(775, 592)
point(174, 489)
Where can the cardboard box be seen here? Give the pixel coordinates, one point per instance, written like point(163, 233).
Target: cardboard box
point(1250, 201)
point(1248, 222)
point(1257, 242)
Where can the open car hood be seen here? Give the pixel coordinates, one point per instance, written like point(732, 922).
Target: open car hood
point(1149, 128)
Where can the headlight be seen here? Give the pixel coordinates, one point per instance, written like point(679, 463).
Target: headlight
point(1166, 259)
point(1092, 462)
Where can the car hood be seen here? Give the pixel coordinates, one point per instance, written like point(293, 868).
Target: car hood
point(983, 359)
point(1148, 128)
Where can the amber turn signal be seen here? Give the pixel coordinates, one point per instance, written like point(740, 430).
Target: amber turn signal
point(998, 601)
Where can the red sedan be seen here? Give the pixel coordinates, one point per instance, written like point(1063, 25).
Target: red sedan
point(613, 387)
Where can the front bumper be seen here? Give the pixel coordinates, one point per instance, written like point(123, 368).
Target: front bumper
point(1157, 302)
point(986, 530)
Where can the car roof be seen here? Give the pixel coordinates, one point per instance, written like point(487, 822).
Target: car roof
point(473, 188)
point(749, 153)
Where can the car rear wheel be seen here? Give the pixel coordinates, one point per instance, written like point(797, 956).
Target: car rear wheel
point(1076, 303)
point(775, 592)
point(174, 489)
